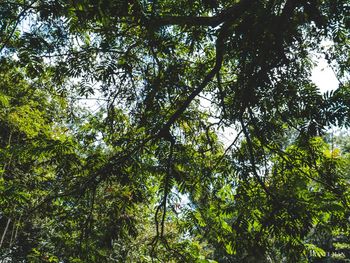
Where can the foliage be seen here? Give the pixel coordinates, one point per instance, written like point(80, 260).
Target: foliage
point(145, 176)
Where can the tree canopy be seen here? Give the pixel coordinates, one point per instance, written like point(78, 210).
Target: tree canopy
point(143, 175)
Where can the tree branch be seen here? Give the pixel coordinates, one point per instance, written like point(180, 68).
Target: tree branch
point(232, 12)
point(5, 231)
point(218, 62)
point(252, 159)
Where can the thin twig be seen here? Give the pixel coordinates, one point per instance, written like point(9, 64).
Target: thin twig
point(252, 158)
point(5, 231)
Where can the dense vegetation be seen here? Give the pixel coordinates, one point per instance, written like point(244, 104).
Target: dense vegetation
point(143, 175)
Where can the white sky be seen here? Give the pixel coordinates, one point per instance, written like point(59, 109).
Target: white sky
point(324, 77)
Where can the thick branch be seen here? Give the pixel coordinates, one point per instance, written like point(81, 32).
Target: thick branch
point(186, 21)
point(230, 13)
point(234, 13)
point(219, 58)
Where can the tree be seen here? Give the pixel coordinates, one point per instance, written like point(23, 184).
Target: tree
point(266, 197)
